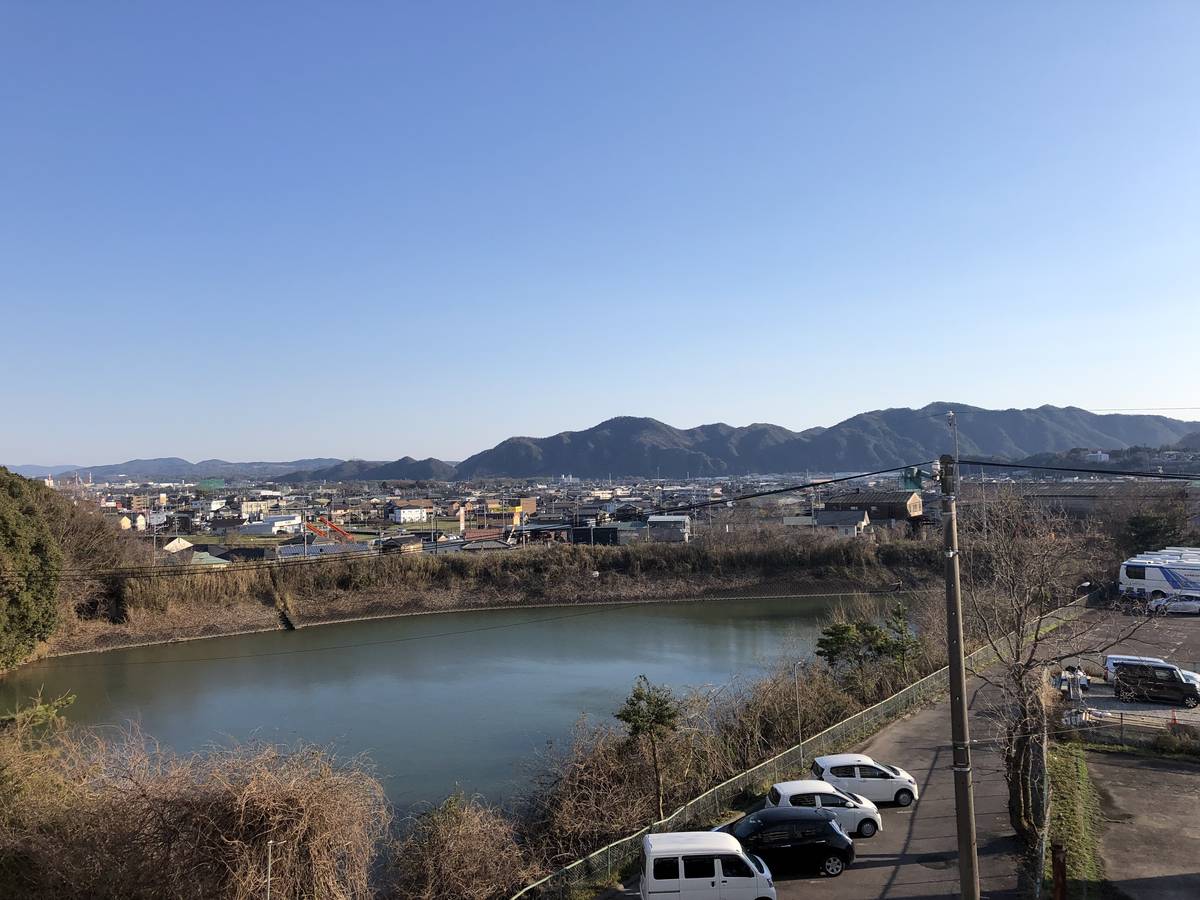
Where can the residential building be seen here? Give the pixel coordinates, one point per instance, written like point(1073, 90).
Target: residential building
point(846, 523)
point(669, 528)
point(407, 515)
point(281, 524)
point(881, 505)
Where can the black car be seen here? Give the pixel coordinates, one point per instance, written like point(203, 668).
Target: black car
point(795, 839)
point(1151, 681)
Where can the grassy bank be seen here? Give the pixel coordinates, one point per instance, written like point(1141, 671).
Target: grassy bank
point(1075, 822)
point(156, 608)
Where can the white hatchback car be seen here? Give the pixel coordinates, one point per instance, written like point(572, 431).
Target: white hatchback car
point(858, 774)
point(857, 815)
point(1186, 604)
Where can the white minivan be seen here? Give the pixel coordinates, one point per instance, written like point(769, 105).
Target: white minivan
point(858, 774)
point(702, 865)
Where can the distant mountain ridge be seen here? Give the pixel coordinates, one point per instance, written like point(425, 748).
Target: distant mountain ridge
point(404, 469)
point(630, 445)
point(868, 441)
point(173, 468)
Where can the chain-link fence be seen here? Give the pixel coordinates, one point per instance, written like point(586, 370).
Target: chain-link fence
point(605, 864)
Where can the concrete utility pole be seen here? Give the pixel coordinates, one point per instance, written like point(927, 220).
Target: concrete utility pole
point(960, 735)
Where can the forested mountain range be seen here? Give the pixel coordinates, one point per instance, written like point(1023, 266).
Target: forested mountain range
point(641, 446)
point(863, 442)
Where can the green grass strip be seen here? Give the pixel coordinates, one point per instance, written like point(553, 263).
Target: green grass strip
point(1075, 821)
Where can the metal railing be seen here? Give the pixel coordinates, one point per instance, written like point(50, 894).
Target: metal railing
point(607, 862)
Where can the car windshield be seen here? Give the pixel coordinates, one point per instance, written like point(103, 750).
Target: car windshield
point(745, 827)
point(891, 769)
point(758, 864)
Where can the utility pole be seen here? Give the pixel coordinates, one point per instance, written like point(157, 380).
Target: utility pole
point(799, 721)
point(960, 736)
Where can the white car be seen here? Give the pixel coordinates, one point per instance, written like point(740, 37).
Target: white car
point(858, 774)
point(1188, 604)
point(857, 815)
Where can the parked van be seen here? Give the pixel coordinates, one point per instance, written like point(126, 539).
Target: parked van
point(702, 865)
point(1161, 683)
point(1112, 661)
point(1161, 573)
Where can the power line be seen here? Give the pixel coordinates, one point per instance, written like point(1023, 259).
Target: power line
point(790, 488)
point(1167, 476)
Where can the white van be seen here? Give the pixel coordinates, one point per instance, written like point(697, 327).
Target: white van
point(1160, 574)
point(702, 865)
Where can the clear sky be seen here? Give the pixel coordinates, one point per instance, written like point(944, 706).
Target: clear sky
point(270, 230)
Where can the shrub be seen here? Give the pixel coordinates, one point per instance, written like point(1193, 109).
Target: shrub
point(30, 564)
point(462, 850)
point(85, 816)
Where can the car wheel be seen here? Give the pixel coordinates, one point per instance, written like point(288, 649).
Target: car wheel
point(1125, 696)
point(1157, 595)
point(833, 866)
point(866, 828)
point(904, 798)
point(1191, 702)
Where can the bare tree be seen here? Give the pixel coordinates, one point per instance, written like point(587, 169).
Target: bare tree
point(1021, 563)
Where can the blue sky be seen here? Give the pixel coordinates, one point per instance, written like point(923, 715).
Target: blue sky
point(274, 230)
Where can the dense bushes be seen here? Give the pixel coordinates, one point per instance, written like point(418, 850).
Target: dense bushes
point(30, 565)
point(85, 816)
point(464, 849)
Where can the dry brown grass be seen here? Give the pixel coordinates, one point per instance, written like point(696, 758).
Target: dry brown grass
point(137, 609)
point(462, 850)
point(89, 815)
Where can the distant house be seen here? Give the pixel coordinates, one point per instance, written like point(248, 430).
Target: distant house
point(176, 545)
point(286, 524)
point(134, 521)
point(846, 523)
point(402, 543)
point(486, 544)
point(408, 515)
point(610, 534)
point(226, 525)
point(672, 529)
point(881, 505)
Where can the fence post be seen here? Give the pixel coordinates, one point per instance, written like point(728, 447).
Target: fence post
point(1058, 866)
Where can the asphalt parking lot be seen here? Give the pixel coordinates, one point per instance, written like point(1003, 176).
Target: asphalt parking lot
point(1149, 842)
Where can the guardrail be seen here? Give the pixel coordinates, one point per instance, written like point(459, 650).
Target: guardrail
point(606, 862)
